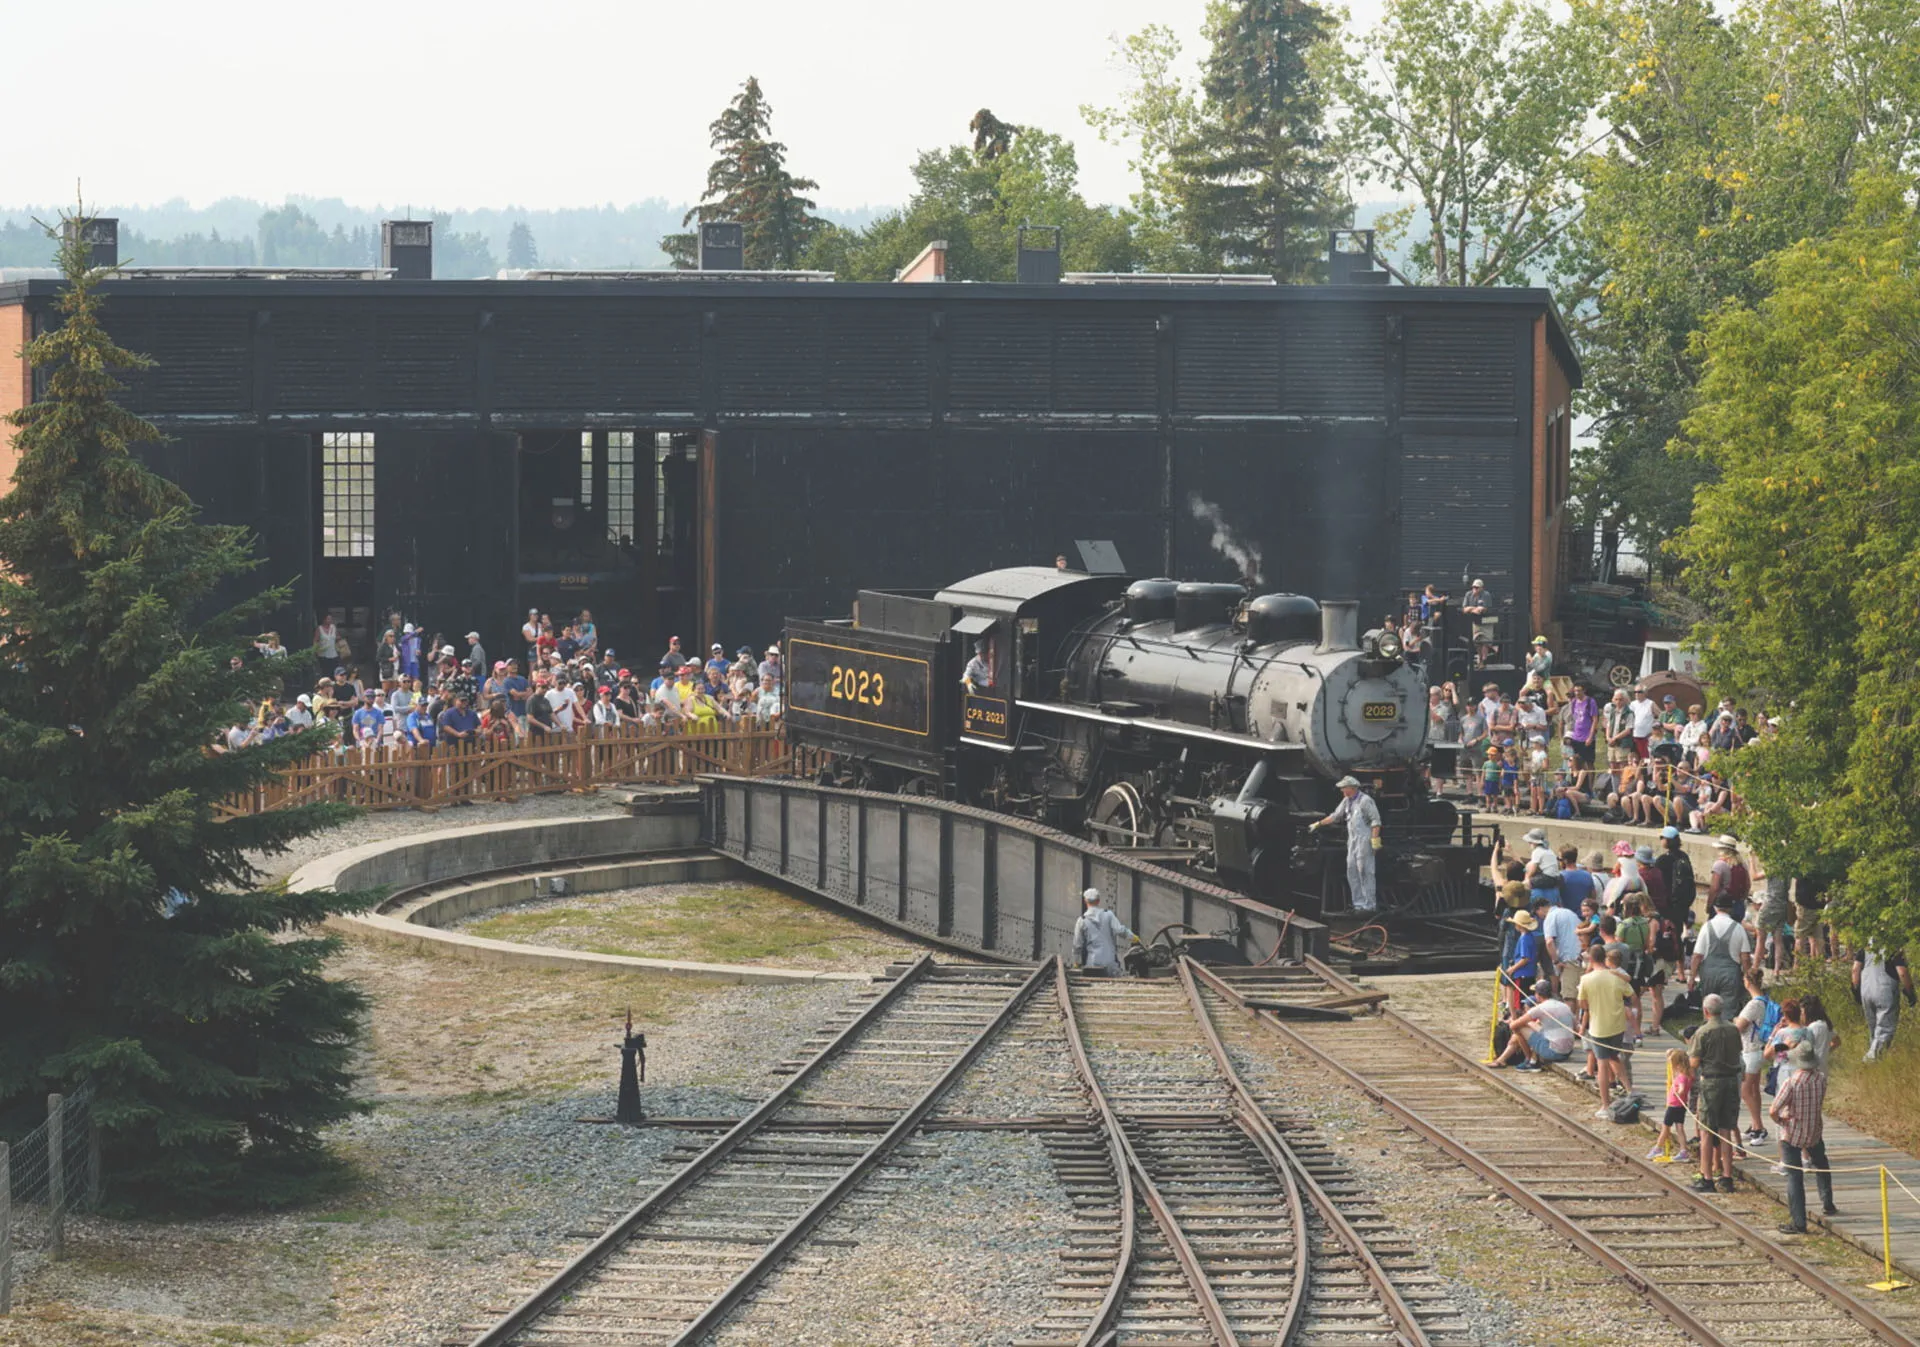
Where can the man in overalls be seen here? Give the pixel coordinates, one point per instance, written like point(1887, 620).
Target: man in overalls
point(1721, 953)
point(1362, 817)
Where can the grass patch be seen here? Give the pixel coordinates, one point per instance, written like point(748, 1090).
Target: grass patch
point(1876, 1097)
point(717, 923)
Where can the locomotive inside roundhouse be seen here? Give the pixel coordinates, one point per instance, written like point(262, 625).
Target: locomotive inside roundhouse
point(1199, 725)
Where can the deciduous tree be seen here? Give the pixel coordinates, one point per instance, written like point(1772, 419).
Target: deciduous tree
point(138, 949)
point(977, 202)
point(1731, 136)
point(1477, 111)
point(1160, 112)
point(1807, 544)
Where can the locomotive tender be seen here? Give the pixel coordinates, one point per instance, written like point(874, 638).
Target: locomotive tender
point(1197, 722)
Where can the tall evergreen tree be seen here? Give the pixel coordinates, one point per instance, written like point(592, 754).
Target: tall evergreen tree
point(521, 250)
point(749, 183)
point(1260, 186)
point(137, 950)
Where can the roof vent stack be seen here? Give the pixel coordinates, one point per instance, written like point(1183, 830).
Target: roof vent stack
point(102, 237)
point(1039, 257)
point(407, 247)
point(1350, 258)
point(721, 245)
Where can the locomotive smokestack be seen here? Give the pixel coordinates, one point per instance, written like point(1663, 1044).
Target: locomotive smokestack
point(1339, 625)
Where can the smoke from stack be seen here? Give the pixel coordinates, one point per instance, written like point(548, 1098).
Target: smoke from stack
point(1244, 555)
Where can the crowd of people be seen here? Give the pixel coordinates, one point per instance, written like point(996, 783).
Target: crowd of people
point(420, 691)
point(1596, 955)
point(1553, 749)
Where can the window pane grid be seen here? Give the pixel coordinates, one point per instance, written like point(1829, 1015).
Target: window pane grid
point(586, 468)
point(346, 494)
point(620, 487)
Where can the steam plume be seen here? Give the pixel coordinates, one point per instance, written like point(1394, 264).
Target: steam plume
point(1244, 555)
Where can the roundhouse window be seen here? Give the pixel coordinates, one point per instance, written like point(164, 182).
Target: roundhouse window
point(346, 493)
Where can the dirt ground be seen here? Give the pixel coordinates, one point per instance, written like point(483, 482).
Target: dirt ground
point(473, 1163)
point(731, 922)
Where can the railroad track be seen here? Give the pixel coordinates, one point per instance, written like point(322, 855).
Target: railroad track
point(1719, 1280)
point(671, 1269)
point(1199, 1221)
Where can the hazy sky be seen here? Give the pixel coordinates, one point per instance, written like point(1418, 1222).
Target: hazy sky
point(536, 103)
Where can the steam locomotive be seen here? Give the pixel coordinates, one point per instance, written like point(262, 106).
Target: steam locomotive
point(1199, 723)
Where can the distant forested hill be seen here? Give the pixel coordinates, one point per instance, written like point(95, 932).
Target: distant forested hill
point(309, 231)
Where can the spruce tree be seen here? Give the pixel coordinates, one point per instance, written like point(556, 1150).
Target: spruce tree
point(749, 183)
point(138, 950)
point(521, 249)
point(1260, 187)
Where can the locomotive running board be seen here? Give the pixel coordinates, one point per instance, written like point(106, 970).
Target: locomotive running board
point(1239, 742)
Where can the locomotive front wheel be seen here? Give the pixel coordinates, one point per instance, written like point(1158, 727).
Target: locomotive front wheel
point(1620, 675)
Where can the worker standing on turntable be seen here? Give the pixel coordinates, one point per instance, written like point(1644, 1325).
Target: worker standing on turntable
point(1362, 818)
point(1098, 937)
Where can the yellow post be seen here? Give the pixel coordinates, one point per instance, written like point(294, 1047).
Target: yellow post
point(1892, 1283)
point(1493, 1024)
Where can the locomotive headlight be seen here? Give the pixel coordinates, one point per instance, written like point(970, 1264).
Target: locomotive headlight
point(1388, 645)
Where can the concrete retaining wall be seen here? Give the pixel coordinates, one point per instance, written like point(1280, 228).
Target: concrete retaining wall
point(564, 847)
point(1593, 835)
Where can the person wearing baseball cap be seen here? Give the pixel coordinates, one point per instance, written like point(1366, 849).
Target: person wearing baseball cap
point(1362, 818)
point(770, 666)
point(300, 714)
point(1099, 936)
point(674, 653)
point(1540, 662)
point(717, 667)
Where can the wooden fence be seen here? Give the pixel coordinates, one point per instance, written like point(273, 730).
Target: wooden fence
point(398, 777)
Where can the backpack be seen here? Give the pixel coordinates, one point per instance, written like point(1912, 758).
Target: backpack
point(1739, 882)
point(1770, 1020)
point(1666, 939)
point(1626, 1111)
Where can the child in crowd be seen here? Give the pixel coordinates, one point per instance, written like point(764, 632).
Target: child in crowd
point(1490, 780)
point(1510, 776)
point(1537, 774)
point(1671, 1145)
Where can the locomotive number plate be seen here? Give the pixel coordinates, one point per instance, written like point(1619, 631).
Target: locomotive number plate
point(1380, 711)
point(867, 687)
point(986, 717)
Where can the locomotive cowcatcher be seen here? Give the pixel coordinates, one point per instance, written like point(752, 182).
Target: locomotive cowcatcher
point(1198, 723)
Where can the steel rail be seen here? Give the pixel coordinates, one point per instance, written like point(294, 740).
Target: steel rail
point(1254, 1122)
point(583, 1264)
point(1100, 1332)
point(783, 1244)
point(1644, 1282)
point(1210, 1308)
point(1261, 1128)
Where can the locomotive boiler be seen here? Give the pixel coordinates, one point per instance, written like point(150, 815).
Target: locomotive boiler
point(1198, 723)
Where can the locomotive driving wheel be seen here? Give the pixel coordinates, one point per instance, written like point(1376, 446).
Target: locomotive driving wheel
point(1121, 818)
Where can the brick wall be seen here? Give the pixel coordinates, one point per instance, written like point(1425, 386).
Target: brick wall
point(15, 382)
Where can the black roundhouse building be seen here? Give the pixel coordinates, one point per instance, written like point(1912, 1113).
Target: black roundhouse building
point(708, 453)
